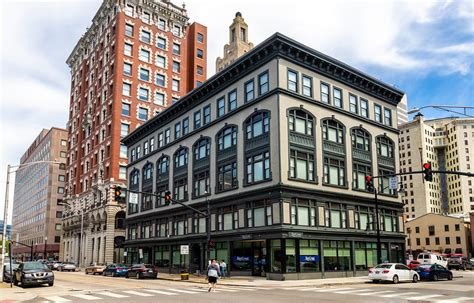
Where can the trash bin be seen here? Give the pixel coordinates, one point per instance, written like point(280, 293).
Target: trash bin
point(184, 276)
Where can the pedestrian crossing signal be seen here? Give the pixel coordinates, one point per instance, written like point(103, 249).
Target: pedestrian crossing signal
point(167, 198)
point(427, 171)
point(369, 183)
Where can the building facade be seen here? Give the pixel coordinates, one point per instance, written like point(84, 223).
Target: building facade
point(446, 234)
point(279, 143)
point(238, 44)
point(136, 59)
point(447, 145)
point(39, 189)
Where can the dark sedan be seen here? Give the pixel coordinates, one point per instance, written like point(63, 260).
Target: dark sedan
point(434, 272)
point(116, 270)
point(141, 271)
point(6, 272)
point(33, 273)
point(459, 263)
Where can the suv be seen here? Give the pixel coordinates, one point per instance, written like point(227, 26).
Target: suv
point(30, 273)
point(459, 263)
point(430, 258)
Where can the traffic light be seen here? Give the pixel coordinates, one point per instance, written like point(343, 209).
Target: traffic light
point(427, 171)
point(118, 193)
point(369, 183)
point(167, 198)
point(212, 244)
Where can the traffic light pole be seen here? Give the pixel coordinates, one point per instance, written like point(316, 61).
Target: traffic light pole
point(377, 221)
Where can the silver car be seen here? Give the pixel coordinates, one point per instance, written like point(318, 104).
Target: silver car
point(67, 266)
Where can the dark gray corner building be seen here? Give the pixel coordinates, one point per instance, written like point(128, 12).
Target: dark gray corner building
point(280, 143)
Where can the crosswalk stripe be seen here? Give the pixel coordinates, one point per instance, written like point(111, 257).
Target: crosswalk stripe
point(110, 294)
point(330, 289)
point(373, 293)
point(243, 288)
point(161, 292)
point(455, 300)
point(226, 289)
point(351, 291)
point(199, 289)
point(182, 290)
point(422, 297)
point(136, 293)
point(57, 299)
point(400, 294)
point(85, 297)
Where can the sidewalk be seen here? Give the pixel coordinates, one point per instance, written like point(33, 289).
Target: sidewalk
point(15, 294)
point(250, 281)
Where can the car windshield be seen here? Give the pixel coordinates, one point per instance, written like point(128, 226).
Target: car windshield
point(384, 266)
point(34, 265)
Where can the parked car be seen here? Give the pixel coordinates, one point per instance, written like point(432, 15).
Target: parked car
point(67, 266)
point(141, 271)
point(6, 271)
point(116, 270)
point(472, 261)
point(394, 272)
point(413, 264)
point(56, 265)
point(430, 258)
point(94, 269)
point(434, 272)
point(459, 263)
point(33, 273)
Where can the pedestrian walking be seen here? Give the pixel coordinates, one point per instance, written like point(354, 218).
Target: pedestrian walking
point(223, 268)
point(213, 273)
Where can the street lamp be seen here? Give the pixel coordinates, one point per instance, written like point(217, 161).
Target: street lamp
point(5, 207)
point(45, 244)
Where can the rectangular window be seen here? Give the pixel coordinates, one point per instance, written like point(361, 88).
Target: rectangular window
point(232, 100)
point(144, 74)
point(146, 17)
point(160, 139)
point(197, 119)
point(129, 30)
point(123, 172)
point(227, 176)
point(159, 99)
point(177, 130)
point(185, 126)
point(142, 113)
point(337, 97)
point(127, 69)
point(176, 67)
point(292, 81)
point(387, 115)
point(364, 108)
point(129, 10)
point(201, 183)
point(249, 91)
point(62, 178)
point(125, 109)
point(220, 107)
point(126, 89)
point(128, 49)
point(359, 172)
point(160, 80)
point(181, 189)
point(160, 61)
point(144, 55)
point(175, 85)
point(200, 38)
point(301, 165)
point(258, 167)
point(200, 53)
point(325, 93)
point(200, 70)
point(143, 94)
point(161, 43)
point(263, 83)
point(162, 24)
point(177, 30)
point(334, 171)
point(353, 104)
point(378, 113)
point(307, 86)
point(207, 114)
point(167, 136)
point(145, 36)
point(176, 49)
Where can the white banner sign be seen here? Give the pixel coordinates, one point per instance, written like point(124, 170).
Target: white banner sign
point(185, 249)
point(133, 198)
point(393, 182)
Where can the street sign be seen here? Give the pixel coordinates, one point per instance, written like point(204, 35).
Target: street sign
point(393, 182)
point(133, 198)
point(185, 249)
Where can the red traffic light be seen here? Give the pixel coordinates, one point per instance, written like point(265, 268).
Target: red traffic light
point(427, 166)
point(368, 178)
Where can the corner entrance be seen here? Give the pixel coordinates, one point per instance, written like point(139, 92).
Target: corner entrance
point(249, 257)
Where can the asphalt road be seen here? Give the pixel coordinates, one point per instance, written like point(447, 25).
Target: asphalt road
point(77, 287)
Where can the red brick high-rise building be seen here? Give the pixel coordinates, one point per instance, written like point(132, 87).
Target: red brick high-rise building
point(137, 58)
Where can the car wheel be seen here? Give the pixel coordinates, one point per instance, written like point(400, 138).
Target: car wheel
point(23, 283)
point(50, 283)
point(126, 276)
point(395, 279)
point(464, 268)
point(415, 278)
point(435, 277)
point(114, 274)
point(450, 277)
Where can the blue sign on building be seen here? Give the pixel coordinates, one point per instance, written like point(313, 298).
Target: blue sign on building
point(309, 258)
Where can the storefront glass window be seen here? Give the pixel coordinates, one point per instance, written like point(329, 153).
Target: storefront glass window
point(360, 256)
point(242, 256)
point(330, 256)
point(371, 254)
point(275, 255)
point(344, 255)
point(162, 256)
point(290, 255)
point(337, 256)
point(309, 256)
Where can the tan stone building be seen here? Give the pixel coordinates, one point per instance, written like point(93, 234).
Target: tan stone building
point(238, 43)
point(439, 233)
point(448, 145)
point(39, 188)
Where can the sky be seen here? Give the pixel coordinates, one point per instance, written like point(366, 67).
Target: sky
point(424, 48)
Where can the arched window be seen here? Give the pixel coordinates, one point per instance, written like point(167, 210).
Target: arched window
point(360, 139)
point(134, 177)
point(181, 157)
point(162, 165)
point(333, 131)
point(301, 122)
point(148, 172)
point(384, 147)
point(257, 124)
point(227, 137)
point(202, 148)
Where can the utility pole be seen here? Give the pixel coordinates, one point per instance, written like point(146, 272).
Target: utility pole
point(208, 230)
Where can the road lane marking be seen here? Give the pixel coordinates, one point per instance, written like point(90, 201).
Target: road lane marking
point(400, 294)
point(109, 294)
point(136, 293)
point(182, 290)
point(85, 297)
point(161, 292)
point(423, 297)
point(455, 300)
point(325, 289)
point(226, 289)
point(352, 291)
point(57, 299)
point(374, 293)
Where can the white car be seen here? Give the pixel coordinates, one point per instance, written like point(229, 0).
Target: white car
point(67, 266)
point(394, 272)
